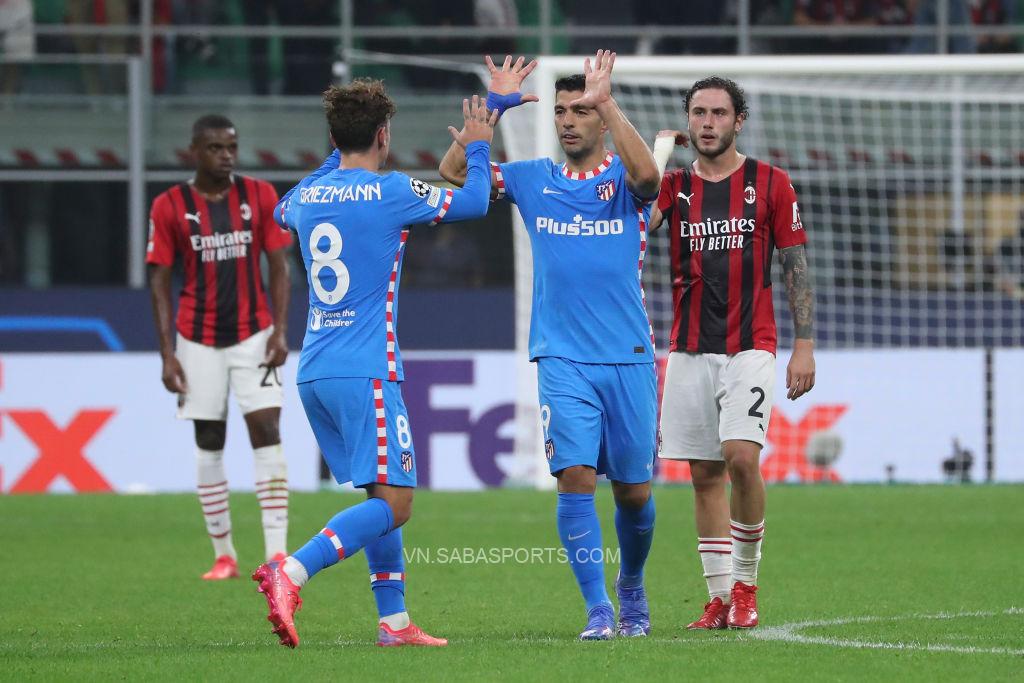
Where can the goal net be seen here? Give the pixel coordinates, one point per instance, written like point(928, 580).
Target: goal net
point(909, 173)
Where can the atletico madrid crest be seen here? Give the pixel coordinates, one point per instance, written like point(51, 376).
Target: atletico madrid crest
point(606, 190)
point(549, 449)
point(407, 462)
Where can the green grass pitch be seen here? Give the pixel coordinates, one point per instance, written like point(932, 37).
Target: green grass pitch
point(898, 583)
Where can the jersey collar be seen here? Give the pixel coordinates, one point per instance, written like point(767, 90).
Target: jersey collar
point(587, 175)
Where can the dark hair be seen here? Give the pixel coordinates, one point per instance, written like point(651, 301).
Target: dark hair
point(736, 94)
point(571, 83)
point(356, 112)
point(210, 122)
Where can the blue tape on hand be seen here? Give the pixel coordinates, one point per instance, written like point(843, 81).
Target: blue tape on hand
point(503, 102)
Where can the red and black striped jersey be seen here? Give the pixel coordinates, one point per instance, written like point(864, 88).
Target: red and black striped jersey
point(723, 235)
point(222, 301)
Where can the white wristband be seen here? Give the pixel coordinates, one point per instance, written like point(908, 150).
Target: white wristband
point(662, 151)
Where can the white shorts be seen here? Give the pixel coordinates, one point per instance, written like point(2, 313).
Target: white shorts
point(210, 371)
point(713, 397)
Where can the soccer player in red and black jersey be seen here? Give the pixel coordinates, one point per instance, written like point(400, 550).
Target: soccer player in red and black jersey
point(218, 224)
point(727, 214)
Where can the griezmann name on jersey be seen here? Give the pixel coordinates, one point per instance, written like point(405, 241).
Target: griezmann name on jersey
point(352, 225)
point(589, 236)
point(723, 235)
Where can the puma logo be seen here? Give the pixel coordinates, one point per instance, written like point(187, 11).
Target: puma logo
point(687, 197)
point(193, 217)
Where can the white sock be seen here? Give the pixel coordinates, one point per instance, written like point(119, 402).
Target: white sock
point(296, 571)
point(746, 550)
point(716, 556)
point(272, 492)
point(397, 621)
point(213, 497)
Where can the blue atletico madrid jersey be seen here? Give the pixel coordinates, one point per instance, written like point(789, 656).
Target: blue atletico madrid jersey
point(352, 226)
point(589, 237)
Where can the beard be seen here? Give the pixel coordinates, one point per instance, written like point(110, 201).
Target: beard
point(581, 151)
point(724, 142)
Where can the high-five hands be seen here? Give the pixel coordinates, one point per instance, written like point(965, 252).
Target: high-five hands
point(478, 122)
point(598, 80)
point(503, 92)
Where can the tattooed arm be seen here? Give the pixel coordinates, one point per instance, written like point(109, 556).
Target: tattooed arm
point(800, 372)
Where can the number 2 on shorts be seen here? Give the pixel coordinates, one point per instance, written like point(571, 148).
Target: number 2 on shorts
point(754, 412)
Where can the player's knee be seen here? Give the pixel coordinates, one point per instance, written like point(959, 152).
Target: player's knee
point(399, 500)
point(577, 479)
point(264, 433)
point(263, 428)
point(401, 509)
point(743, 463)
point(632, 496)
point(210, 435)
point(707, 476)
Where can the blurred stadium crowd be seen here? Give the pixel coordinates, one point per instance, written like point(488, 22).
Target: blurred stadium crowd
point(295, 64)
point(262, 62)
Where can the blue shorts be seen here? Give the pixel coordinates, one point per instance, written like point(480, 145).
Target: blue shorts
point(602, 416)
point(362, 427)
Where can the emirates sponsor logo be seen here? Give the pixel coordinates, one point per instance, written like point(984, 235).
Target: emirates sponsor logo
point(729, 226)
point(222, 246)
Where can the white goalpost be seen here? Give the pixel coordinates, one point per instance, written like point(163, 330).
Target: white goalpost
point(909, 170)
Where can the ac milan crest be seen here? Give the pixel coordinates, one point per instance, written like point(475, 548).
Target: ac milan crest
point(606, 190)
point(750, 194)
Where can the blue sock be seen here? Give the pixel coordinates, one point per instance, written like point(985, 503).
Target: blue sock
point(635, 528)
point(387, 572)
point(580, 532)
point(347, 532)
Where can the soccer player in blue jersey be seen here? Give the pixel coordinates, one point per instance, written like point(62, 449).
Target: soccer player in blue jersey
point(589, 332)
point(352, 221)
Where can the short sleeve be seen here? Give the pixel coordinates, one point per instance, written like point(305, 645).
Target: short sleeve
point(666, 197)
point(272, 235)
point(787, 227)
point(418, 201)
point(512, 176)
point(160, 249)
point(638, 200)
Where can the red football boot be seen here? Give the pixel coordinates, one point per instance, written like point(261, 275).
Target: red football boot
point(743, 611)
point(714, 616)
point(410, 635)
point(224, 567)
point(282, 598)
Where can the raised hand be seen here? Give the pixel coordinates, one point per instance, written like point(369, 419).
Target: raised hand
point(509, 78)
point(599, 80)
point(479, 122)
point(680, 138)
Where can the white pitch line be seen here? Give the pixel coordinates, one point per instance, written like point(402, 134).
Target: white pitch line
point(789, 633)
